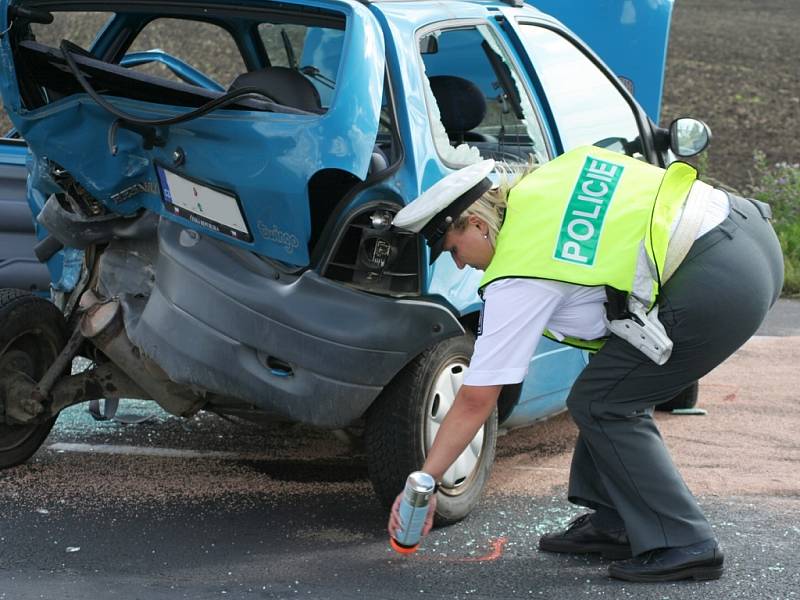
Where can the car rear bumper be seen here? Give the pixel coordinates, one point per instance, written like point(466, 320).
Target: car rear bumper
point(298, 347)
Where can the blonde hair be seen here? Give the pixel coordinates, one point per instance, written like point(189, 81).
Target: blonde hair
point(491, 206)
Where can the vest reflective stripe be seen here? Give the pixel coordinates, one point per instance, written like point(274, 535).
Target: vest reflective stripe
point(672, 194)
point(592, 217)
point(590, 345)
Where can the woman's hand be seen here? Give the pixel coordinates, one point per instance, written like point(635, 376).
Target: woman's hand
point(471, 407)
point(394, 516)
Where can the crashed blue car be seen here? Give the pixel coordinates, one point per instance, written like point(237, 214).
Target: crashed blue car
point(213, 185)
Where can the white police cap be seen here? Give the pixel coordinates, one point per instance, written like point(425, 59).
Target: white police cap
point(435, 209)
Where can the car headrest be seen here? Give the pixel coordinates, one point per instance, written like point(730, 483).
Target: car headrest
point(461, 103)
point(287, 86)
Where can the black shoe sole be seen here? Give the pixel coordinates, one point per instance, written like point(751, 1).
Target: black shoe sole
point(609, 551)
point(698, 573)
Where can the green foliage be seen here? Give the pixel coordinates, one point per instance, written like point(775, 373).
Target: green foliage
point(701, 163)
point(779, 185)
point(747, 99)
point(790, 243)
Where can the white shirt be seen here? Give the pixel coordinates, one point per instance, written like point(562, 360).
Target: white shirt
point(516, 312)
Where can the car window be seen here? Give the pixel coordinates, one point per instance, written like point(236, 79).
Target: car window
point(477, 101)
point(587, 107)
point(191, 59)
point(78, 27)
point(208, 48)
point(313, 51)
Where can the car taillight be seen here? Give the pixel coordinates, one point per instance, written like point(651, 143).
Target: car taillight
point(372, 256)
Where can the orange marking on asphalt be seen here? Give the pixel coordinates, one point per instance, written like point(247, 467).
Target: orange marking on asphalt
point(731, 389)
point(495, 553)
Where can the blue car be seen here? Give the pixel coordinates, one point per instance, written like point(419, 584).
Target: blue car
point(213, 186)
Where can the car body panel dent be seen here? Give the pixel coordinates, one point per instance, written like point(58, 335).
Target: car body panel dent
point(273, 154)
point(225, 302)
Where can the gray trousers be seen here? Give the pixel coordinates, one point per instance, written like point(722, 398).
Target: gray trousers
point(713, 303)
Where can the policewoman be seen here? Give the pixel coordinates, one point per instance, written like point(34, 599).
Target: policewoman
point(661, 274)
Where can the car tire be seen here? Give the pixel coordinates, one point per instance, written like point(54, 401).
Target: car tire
point(402, 423)
point(686, 399)
point(32, 333)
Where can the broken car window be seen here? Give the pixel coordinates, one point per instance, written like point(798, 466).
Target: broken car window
point(208, 48)
point(79, 27)
point(314, 51)
point(478, 107)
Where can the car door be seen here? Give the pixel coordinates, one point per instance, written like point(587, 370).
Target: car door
point(583, 103)
point(629, 35)
point(546, 93)
point(480, 105)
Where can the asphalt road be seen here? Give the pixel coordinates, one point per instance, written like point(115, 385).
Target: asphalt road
point(205, 508)
point(783, 319)
point(330, 546)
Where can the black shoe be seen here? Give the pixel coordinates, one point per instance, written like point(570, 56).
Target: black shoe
point(582, 537)
point(701, 561)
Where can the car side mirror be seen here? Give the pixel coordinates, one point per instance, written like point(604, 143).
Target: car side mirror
point(688, 136)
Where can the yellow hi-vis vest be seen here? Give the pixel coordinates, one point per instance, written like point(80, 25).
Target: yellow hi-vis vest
point(592, 217)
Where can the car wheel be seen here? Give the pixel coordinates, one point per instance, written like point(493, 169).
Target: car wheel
point(403, 421)
point(686, 399)
point(32, 333)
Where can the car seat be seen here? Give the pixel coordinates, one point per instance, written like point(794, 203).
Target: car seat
point(292, 88)
point(462, 107)
point(287, 86)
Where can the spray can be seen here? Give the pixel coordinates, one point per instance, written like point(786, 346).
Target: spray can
point(413, 511)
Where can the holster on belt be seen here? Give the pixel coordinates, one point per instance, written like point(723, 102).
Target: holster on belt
point(627, 318)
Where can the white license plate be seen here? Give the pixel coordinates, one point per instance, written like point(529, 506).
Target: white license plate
point(213, 209)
